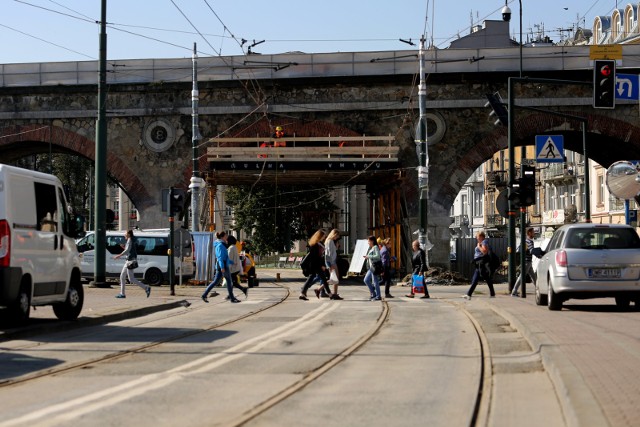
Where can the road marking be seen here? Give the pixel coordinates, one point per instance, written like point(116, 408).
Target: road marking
point(98, 400)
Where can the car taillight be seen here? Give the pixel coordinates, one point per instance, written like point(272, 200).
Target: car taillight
point(5, 244)
point(561, 259)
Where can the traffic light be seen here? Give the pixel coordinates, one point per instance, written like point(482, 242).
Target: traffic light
point(499, 112)
point(176, 201)
point(515, 193)
point(527, 185)
point(604, 84)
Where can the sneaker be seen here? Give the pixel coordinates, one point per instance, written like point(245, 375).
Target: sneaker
point(376, 299)
point(148, 291)
point(465, 296)
point(514, 295)
point(425, 297)
point(204, 298)
point(121, 296)
point(303, 297)
point(235, 300)
point(336, 296)
point(388, 296)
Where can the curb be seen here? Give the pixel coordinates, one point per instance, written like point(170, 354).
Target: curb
point(81, 322)
point(579, 405)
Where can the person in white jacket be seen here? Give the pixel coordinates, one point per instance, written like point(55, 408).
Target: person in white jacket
point(236, 267)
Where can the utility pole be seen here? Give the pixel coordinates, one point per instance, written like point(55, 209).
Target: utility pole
point(196, 181)
point(101, 159)
point(421, 142)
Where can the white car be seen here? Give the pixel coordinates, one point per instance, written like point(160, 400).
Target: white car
point(153, 258)
point(590, 261)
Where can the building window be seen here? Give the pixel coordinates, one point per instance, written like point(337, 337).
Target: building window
point(600, 187)
point(477, 204)
point(464, 205)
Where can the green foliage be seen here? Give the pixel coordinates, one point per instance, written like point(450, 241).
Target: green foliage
point(274, 217)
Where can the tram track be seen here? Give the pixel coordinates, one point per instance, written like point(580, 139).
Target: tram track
point(213, 361)
point(138, 349)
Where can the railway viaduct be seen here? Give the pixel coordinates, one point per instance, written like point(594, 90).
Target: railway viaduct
point(54, 106)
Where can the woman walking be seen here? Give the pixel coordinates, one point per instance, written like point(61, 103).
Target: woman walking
point(419, 264)
point(373, 256)
point(331, 258)
point(127, 272)
point(482, 270)
point(317, 267)
point(235, 266)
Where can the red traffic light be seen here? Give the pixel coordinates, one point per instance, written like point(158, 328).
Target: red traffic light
point(605, 70)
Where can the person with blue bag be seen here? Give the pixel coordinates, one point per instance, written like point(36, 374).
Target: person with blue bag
point(419, 264)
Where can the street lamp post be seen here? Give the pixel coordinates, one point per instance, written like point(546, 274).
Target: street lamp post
point(423, 154)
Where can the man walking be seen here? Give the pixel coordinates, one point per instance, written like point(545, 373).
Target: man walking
point(222, 262)
point(528, 267)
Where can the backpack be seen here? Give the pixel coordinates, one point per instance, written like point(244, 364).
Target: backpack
point(305, 264)
point(494, 262)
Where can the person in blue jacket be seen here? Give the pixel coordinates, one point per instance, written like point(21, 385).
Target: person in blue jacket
point(223, 270)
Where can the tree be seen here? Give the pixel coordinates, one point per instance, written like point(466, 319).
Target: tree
point(275, 217)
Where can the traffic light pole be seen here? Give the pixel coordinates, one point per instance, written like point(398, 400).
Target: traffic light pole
point(511, 107)
point(170, 251)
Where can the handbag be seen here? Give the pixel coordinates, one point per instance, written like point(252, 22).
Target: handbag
point(417, 284)
point(377, 267)
point(333, 278)
point(132, 264)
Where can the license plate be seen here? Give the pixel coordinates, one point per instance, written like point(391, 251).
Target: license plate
point(603, 273)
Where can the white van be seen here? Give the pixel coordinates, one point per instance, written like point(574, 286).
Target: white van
point(39, 262)
point(153, 259)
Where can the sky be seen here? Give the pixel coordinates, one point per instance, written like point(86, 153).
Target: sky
point(68, 30)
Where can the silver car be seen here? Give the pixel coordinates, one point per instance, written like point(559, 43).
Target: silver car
point(590, 261)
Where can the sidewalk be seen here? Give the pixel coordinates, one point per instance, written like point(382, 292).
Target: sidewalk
point(101, 306)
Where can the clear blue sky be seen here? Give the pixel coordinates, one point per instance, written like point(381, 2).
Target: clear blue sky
point(67, 30)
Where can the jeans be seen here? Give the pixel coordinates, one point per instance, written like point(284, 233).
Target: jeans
point(128, 273)
point(528, 270)
point(216, 281)
point(474, 282)
point(313, 277)
point(375, 287)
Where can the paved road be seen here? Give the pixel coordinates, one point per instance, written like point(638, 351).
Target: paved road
point(584, 357)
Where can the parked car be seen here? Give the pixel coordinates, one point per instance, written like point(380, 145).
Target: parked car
point(153, 259)
point(39, 263)
point(590, 261)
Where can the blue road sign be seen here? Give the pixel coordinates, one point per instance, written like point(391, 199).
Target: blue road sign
point(549, 148)
point(628, 86)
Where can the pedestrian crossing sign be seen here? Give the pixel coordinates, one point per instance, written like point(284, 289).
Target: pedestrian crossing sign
point(549, 148)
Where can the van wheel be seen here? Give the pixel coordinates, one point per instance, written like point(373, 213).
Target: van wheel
point(21, 308)
point(70, 309)
point(154, 277)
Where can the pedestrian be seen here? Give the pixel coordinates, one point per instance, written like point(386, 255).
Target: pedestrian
point(331, 259)
point(236, 266)
point(528, 267)
point(129, 266)
point(419, 264)
point(385, 256)
point(223, 263)
point(372, 279)
point(317, 269)
point(482, 269)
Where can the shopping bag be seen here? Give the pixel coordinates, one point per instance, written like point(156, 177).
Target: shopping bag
point(418, 284)
point(333, 278)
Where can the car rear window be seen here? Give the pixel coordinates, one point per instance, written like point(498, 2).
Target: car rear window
point(603, 238)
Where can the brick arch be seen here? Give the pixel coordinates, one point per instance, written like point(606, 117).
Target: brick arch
point(76, 143)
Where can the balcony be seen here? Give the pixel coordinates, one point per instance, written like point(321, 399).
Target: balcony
point(460, 221)
point(494, 221)
point(496, 180)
